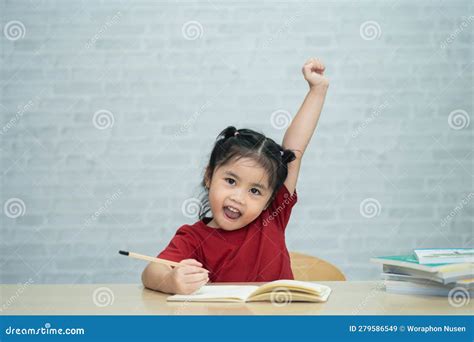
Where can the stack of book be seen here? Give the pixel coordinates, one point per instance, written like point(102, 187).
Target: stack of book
point(429, 271)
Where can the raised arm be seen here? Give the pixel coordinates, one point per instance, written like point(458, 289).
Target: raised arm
point(303, 125)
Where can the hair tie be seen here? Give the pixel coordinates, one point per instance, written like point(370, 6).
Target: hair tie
point(236, 133)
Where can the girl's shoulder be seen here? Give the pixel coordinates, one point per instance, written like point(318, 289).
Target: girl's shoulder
point(194, 229)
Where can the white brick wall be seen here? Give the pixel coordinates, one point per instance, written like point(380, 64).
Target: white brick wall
point(384, 132)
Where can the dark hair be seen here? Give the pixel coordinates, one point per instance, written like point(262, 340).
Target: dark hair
point(233, 144)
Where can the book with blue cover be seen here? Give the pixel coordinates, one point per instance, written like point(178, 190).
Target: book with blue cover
point(444, 255)
point(440, 272)
point(412, 262)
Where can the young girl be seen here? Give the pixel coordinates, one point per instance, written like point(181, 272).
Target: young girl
point(250, 191)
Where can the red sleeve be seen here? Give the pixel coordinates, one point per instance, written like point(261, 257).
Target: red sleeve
point(279, 211)
point(182, 246)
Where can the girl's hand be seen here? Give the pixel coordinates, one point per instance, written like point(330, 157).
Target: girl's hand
point(189, 278)
point(313, 72)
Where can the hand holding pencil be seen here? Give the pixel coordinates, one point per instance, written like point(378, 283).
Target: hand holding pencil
point(189, 277)
point(186, 277)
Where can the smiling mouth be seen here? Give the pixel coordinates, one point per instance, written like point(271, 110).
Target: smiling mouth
point(232, 213)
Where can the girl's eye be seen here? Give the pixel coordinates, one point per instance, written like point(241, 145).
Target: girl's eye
point(230, 181)
point(256, 192)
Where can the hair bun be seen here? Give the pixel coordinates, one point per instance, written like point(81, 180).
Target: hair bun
point(228, 132)
point(287, 156)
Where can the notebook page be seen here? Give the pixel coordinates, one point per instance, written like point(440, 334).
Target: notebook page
point(217, 291)
point(292, 285)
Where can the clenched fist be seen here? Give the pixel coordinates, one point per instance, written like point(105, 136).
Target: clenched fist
point(313, 72)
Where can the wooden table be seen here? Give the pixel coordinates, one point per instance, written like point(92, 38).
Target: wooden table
point(347, 298)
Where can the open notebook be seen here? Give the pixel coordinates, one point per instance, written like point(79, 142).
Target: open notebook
point(278, 291)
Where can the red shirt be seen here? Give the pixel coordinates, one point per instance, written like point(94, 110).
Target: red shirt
point(256, 252)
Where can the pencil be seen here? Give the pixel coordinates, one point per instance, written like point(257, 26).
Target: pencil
point(151, 259)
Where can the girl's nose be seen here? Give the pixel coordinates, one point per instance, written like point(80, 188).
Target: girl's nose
point(237, 197)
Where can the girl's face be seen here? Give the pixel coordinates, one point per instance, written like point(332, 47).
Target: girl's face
point(238, 192)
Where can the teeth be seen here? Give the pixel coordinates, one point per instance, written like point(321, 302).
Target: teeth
point(233, 209)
